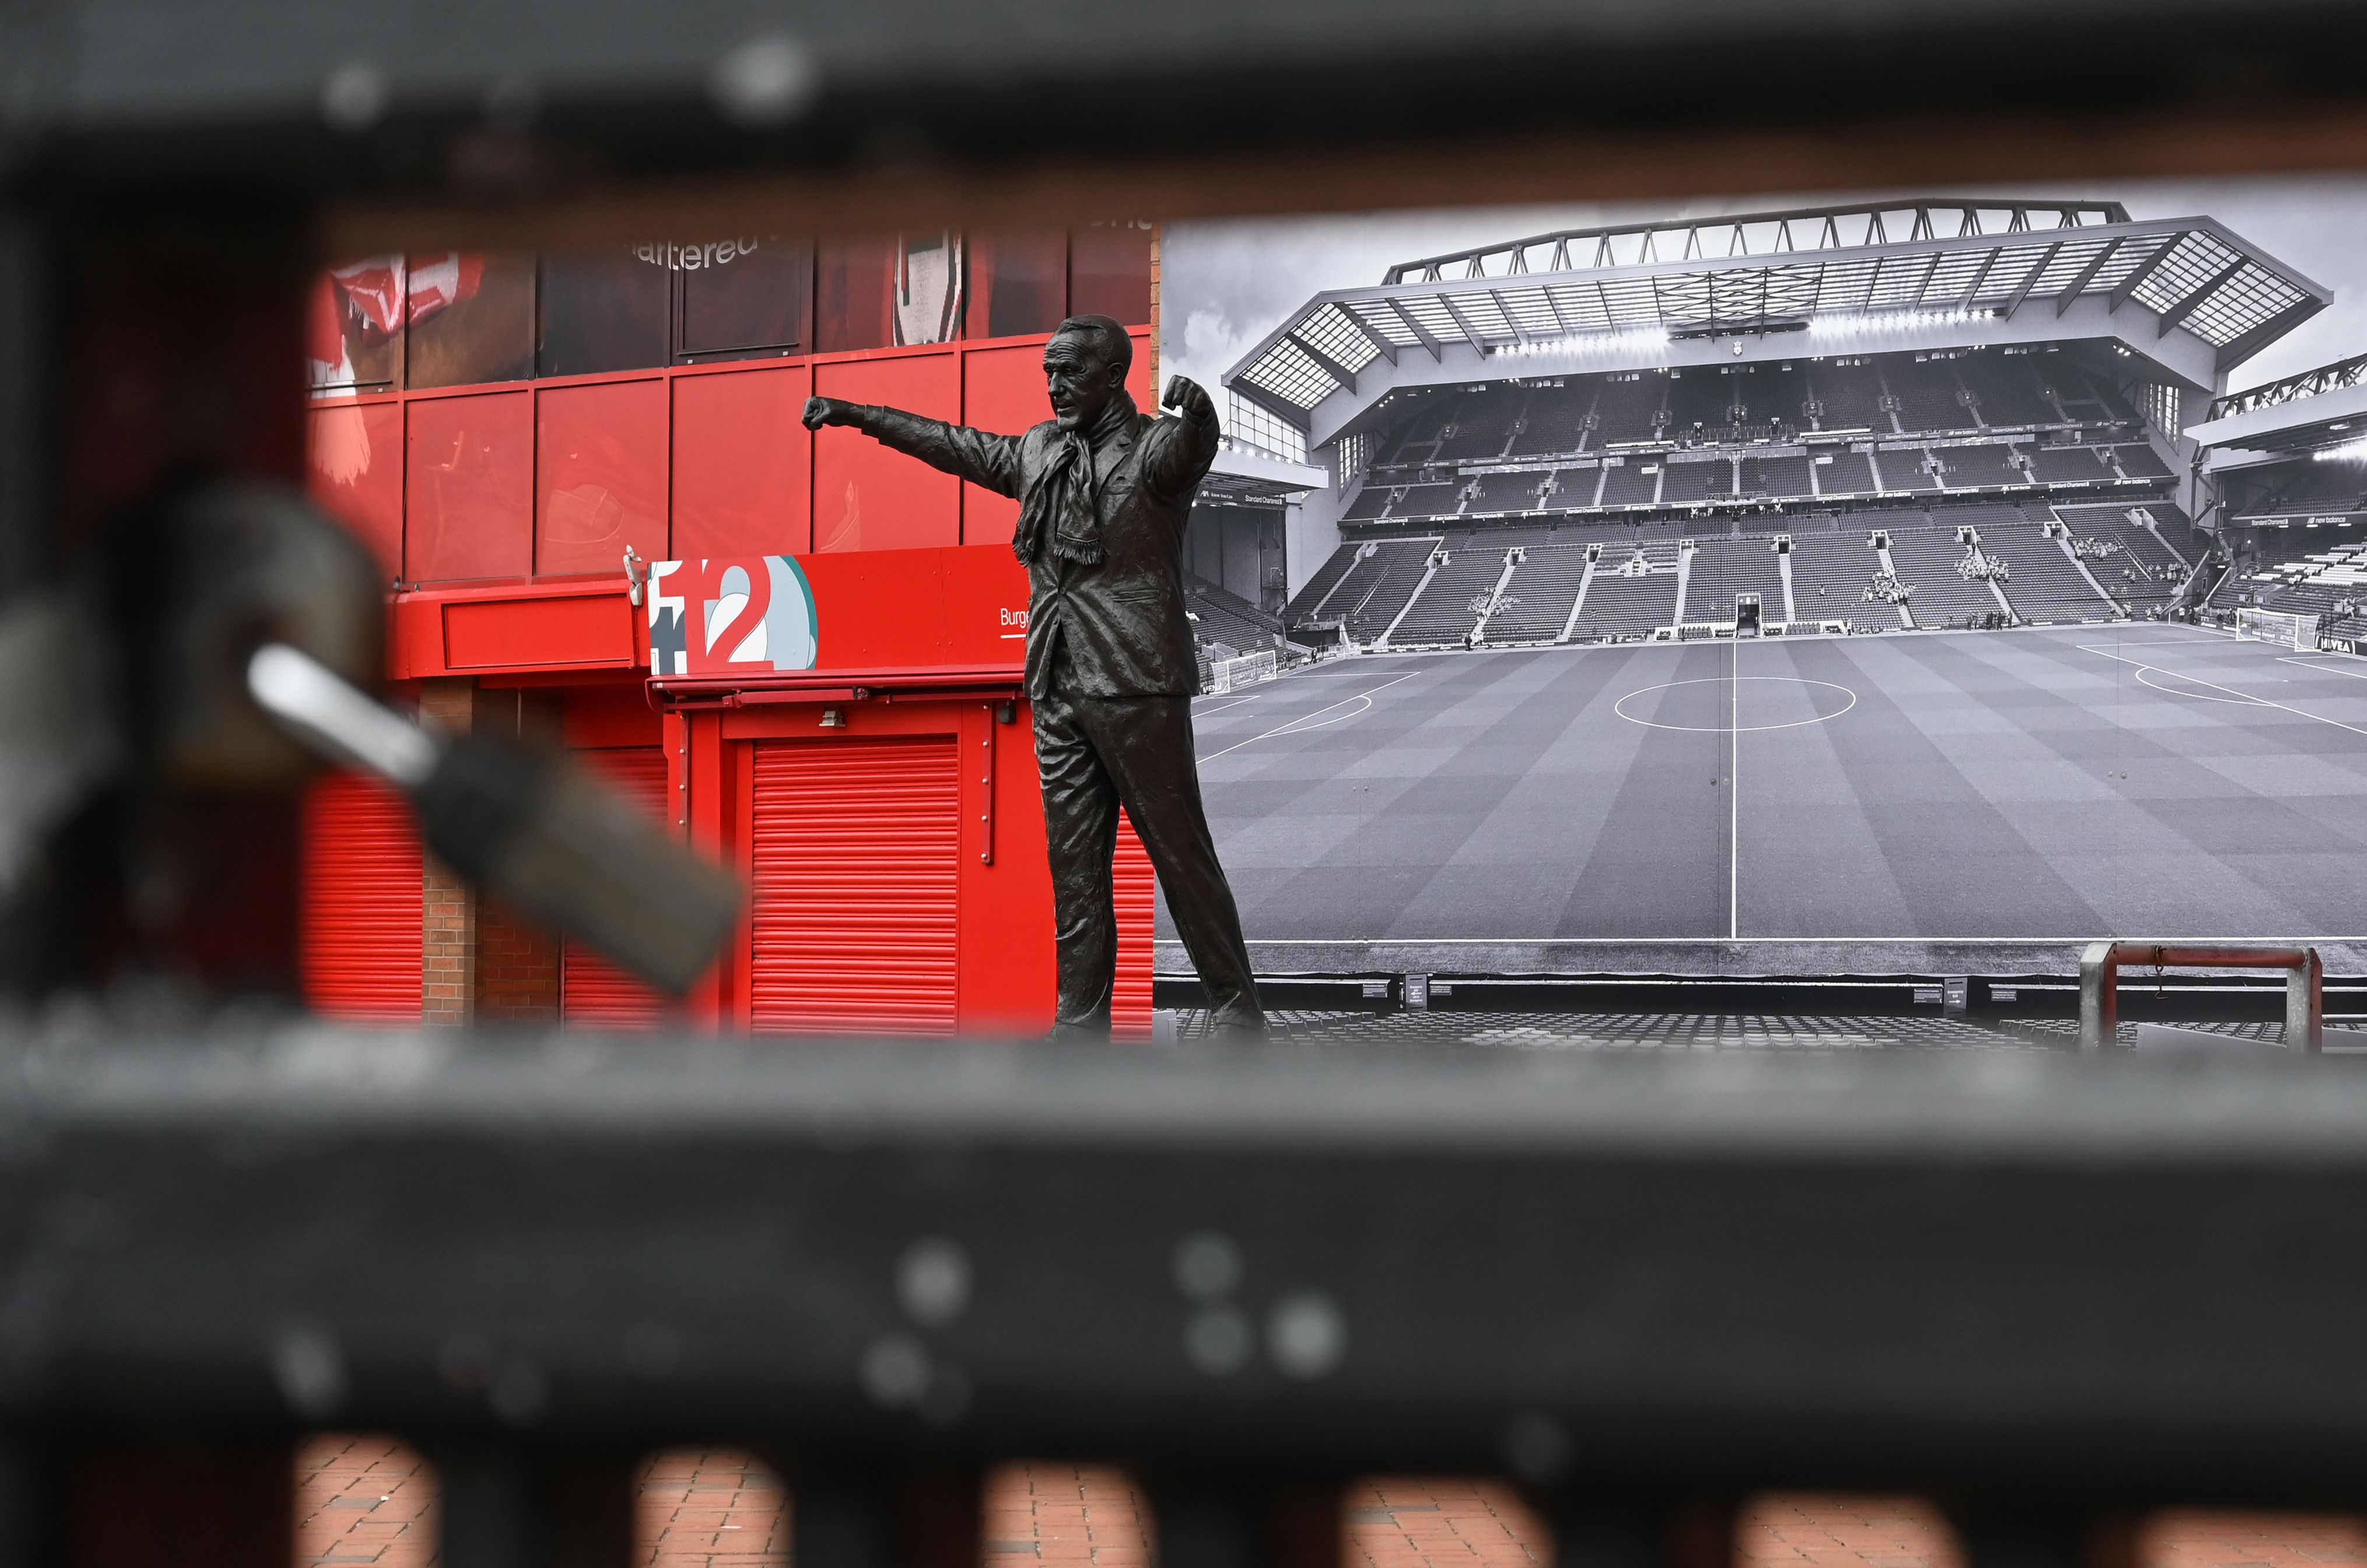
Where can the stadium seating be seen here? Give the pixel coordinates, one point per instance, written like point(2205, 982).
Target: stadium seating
point(1783, 476)
point(1537, 600)
point(2171, 543)
point(1926, 559)
point(1574, 489)
point(2159, 571)
point(1370, 503)
point(2008, 390)
point(1631, 484)
point(1500, 493)
point(1842, 472)
point(1697, 401)
point(1850, 396)
point(1442, 611)
point(1927, 393)
point(1556, 419)
point(1624, 410)
point(2044, 586)
point(1418, 442)
point(1724, 568)
point(1424, 500)
point(1981, 468)
point(1775, 393)
point(1324, 579)
point(2070, 465)
point(2087, 400)
point(1375, 589)
point(2298, 488)
point(1830, 573)
point(1682, 482)
point(1483, 425)
point(1619, 606)
point(1906, 471)
point(1221, 617)
point(2140, 461)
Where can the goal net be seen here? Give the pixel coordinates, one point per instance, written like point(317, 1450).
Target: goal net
point(1224, 674)
point(2281, 627)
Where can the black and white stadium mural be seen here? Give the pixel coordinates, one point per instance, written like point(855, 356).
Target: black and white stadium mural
point(1861, 578)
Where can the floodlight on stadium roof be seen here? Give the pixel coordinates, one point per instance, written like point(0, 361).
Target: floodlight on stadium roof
point(1595, 292)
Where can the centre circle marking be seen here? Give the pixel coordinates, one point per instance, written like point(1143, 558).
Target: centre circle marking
point(1620, 708)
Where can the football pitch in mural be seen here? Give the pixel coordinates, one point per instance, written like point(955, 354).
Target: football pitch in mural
point(1855, 568)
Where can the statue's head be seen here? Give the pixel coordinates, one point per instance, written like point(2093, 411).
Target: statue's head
point(1084, 367)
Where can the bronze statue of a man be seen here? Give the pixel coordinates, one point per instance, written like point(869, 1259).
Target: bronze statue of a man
point(1105, 491)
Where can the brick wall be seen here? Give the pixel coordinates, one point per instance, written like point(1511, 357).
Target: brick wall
point(481, 960)
point(517, 967)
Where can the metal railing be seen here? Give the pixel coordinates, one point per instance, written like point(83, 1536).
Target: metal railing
point(2101, 965)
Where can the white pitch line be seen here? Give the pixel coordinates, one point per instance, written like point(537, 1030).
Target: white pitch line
point(2215, 686)
point(2360, 674)
point(1733, 789)
point(1220, 707)
point(1295, 726)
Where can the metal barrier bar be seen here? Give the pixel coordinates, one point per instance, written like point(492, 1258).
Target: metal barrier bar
point(2101, 965)
point(1607, 1277)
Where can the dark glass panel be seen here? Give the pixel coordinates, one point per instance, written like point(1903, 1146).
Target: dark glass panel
point(1019, 282)
point(854, 293)
point(602, 309)
point(471, 319)
point(1109, 272)
point(747, 295)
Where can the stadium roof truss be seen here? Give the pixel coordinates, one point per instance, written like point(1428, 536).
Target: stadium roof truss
point(1929, 262)
point(2341, 375)
point(2306, 413)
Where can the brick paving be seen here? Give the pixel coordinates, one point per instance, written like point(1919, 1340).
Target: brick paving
point(710, 1509)
point(370, 1501)
point(364, 1500)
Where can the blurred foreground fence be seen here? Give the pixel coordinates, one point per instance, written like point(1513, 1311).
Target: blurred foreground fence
point(2047, 1291)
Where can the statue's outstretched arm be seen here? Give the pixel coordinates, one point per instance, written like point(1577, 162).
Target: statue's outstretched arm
point(1187, 442)
point(984, 458)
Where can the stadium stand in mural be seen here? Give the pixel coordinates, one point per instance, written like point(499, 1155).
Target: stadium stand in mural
point(1918, 414)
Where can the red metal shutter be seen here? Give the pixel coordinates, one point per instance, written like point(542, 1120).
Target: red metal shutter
point(362, 902)
point(1134, 888)
point(855, 850)
point(593, 991)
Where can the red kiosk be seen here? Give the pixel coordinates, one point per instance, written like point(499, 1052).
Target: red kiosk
point(835, 705)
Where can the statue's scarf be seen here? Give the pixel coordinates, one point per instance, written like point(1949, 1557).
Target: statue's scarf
point(1063, 505)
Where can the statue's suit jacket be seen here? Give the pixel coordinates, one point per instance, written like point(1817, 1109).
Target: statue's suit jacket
point(1122, 619)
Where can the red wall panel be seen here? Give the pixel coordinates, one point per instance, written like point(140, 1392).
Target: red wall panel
point(742, 465)
point(1134, 889)
point(356, 474)
point(1137, 375)
point(363, 902)
point(600, 452)
point(470, 466)
point(855, 884)
point(517, 634)
point(867, 497)
point(1003, 391)
point(592, 992)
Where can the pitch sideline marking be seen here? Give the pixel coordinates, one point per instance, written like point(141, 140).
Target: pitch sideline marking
point(1299, 726)
point(2328, 669)
point(2198, 696)
point(1220, 707)
point(2214, 686)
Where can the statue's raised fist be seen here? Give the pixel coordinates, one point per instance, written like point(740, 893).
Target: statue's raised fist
point(1184, 396)
point(826, 411)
